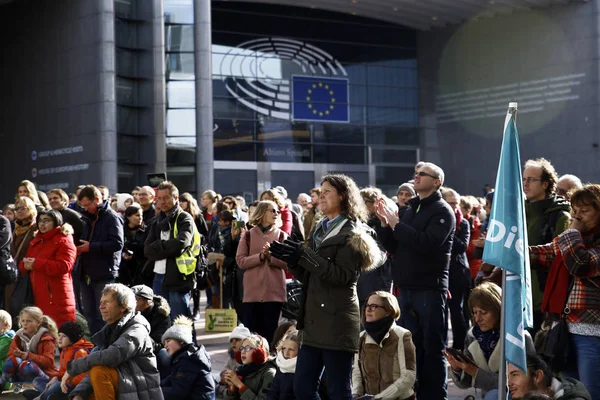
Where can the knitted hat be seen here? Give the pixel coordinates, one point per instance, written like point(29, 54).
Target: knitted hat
point(181, 330)
point(239, 332)
point(409, 188)
point(72, 330)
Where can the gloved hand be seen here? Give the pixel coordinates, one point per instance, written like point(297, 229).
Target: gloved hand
point(288, 251)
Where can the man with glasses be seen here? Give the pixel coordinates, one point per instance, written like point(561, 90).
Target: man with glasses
point(548, 215)
point(146, 198)
point(421, 245)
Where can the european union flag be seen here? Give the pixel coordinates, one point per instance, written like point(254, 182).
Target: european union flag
point(316, 98)
point(506, 245)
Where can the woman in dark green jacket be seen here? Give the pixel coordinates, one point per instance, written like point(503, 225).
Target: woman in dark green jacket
point(341, 246)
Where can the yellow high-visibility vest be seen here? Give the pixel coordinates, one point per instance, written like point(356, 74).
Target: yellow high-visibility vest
point(186, 262)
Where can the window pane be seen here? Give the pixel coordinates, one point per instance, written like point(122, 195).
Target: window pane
point(127, 120)
point(180, 66)
point(179, 11)
point(126, 91)
point(181, 122)
point(234, 129)
point(180, 38)
point(181, 94)
point(234, 151)
point(284, 152)
point(339, 154)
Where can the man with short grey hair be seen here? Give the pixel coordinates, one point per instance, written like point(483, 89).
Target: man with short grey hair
point(567, 184)
point(122, 364)
point(421, 245)
point(146, 199)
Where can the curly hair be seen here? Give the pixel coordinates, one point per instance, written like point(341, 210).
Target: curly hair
point(589, 195)
point(352, 204)
point(32, 192)
point(548, 173)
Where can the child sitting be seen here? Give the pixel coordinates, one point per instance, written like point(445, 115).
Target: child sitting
point(31, 353)
point(253, 378)
point(190, 365)
point(73, 345)
point(287, 355)
point(235, 338)
point(6, 337)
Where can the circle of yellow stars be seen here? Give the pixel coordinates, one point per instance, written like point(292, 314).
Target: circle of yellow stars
point(331, 106)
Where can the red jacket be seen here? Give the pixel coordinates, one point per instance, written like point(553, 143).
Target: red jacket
point(73, 352)
point(54, 254)
point(474, 263)
point(44, 355)
point(287, 221)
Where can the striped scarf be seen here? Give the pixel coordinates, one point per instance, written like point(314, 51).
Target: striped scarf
point(326, 225)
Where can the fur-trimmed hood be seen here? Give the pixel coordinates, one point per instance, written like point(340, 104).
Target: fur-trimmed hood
point(65, 229)
point(362, 240)
point(162, 305)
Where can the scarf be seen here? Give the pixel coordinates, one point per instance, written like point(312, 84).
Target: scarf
point(286, 366)
point(246, 370)
point(326, 225)
point(265, 229)
point(378, 329)
point(487, 340)
point(31, 344)
point(22, 226)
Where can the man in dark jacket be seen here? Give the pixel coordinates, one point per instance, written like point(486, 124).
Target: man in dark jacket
point(548, 215)
point(59, 201)
point(421, 244)
point(156, 310)
point(540, 379)
point(164, 246)
point(100, 252)
point(146, 196)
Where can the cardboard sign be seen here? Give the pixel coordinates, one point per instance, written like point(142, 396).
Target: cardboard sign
point(220, 320)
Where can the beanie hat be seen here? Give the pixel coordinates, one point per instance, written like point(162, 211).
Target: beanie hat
point(72, 330)
point(181, 330)
point(409, 188)
point(239, 332)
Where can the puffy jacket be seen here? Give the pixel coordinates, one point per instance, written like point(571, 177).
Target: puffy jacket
point(190, 375)
point(569, 389)
point(158, 315)
point(131, 272)
point(6, 339)
point(330, 316)
point(460, 274)
point(126, 346)
point(104, 231)
point(257, 384)
point(474, 262)
point(157, 249)
point(54, 254)
point(73, 218)
point(79, 349)
point(40, 350)
point(421, 244)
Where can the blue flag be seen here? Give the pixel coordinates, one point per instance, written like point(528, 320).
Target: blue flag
point(506, 245)
point(316, 98)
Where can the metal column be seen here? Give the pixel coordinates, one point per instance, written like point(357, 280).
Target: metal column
point(204, 105)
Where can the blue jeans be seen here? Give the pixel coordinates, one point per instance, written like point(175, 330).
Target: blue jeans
point(157, 284)
point(163, 363)
point(54, 390)
point(309, 370)
point(424, 315)
point(90, 298)
point(180, 304)
point(587, 353)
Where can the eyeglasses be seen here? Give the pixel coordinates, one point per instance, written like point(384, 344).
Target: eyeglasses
point(423, 173)
point(20, 208)
point(276, 212)
point(247, 349)
point(530, 180)
point(373, 307)
point(45, 221)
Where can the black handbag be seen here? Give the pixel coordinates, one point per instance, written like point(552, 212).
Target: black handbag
point(9, 272)
point(555, 345)
point(22, 296)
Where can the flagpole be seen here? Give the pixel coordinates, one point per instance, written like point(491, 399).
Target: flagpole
point(512, 108)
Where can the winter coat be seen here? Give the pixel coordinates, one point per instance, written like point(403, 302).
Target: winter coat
point(378, 278)
point(20, 243)
point(282, 387)
point(257, 384)
point(474, 262)
point(460, 273)
point(569, 389)
point(487, 376)
point(158, 315)
point(263, 280)
point(330, 317)
point(130, 271)
point(73, 218)
point(5, 241)
point(389, 369)
point(79, 349)
point(158, 249)
point(104, 231)
point(126, 346)
point(40, 350)
point(546, 219)
point(54, 254)
point(287, 221)
point(190, 375)
point(421, 244)
point(149, 215)
point(6, 339)
point(311, 219)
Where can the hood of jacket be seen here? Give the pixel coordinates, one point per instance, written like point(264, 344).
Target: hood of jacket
point(121, 199)
point(64, 229)
point(361, 239)
point(162, 305)
point(569, 389)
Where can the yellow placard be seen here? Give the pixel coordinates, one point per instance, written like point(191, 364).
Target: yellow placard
point(220, 320)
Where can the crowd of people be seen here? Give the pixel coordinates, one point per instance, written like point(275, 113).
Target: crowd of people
point(114, 283)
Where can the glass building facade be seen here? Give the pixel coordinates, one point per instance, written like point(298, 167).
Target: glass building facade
point(257, 50)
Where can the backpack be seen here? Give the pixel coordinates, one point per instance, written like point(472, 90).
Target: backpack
point(297, 227)
point(202, 282)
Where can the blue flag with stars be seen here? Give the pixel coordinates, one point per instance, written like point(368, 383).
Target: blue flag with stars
point(316, 98)
point(506, 246)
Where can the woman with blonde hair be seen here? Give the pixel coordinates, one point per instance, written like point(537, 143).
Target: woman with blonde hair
point(284, 211)
point(27, 189)
point(264, 277)
point(209, 201)
point(31, 353)
point(386, 364)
